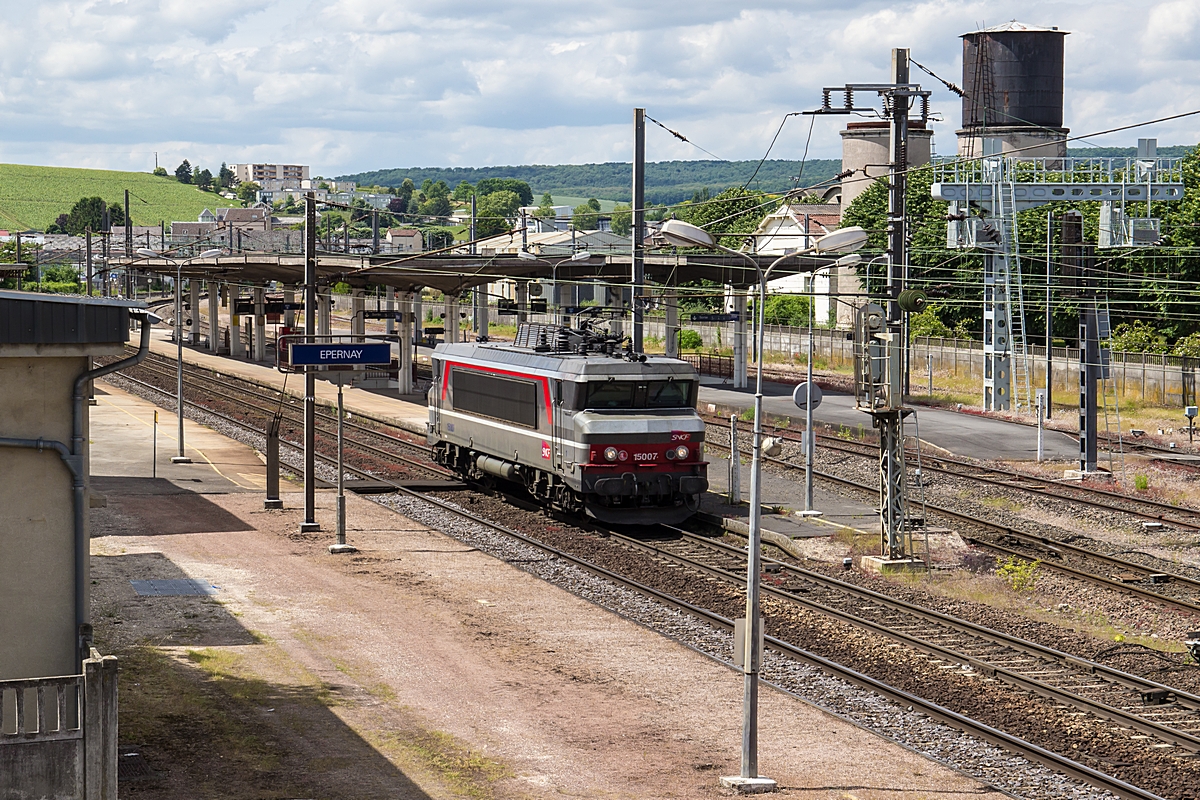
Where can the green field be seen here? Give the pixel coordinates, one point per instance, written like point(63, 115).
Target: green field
point(32, 197)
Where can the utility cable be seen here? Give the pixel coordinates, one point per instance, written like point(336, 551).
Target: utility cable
point(772, 145)
point(683, 138)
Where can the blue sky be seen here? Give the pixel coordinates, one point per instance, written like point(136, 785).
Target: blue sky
point(349, 85)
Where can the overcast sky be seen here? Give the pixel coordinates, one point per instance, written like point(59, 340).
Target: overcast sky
point(350, 85)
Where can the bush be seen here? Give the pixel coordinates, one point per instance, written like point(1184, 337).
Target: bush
point(928, 323)
point(1018, 573)
point(690, 340)
point(1141, 483)
point(1140, 337)
point(1188, 346)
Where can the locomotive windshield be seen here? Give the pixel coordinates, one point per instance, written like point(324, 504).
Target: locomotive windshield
point(638, 394)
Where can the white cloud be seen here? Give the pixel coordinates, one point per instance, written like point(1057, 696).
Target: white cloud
point(348, 85)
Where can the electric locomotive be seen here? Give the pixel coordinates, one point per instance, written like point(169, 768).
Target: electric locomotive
point(585, 424)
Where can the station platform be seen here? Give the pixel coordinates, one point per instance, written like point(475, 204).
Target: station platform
point(409, 412)
point(955, 433)
point(369, 674)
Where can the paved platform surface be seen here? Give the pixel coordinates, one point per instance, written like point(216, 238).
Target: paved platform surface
point(961, 434)
point(780, 491)
point(419, 633)
point(123, 451)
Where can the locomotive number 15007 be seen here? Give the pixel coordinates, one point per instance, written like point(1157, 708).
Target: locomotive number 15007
point(645, 456)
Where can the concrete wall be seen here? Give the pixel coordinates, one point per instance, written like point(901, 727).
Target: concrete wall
point(37, 551)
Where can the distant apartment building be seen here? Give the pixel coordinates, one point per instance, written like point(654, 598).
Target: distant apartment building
point(266, 172)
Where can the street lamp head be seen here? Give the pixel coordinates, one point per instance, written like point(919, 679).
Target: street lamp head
point(525, 255)
point(843, 240)
point(582, 255)
point(678, 233)
point(851, 260)
point(147, 252)
point(211, 253)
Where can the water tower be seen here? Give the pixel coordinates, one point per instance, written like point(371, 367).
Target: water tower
point(1013, 90)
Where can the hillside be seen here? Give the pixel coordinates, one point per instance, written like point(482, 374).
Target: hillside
point(666, 181)
point(31, 197)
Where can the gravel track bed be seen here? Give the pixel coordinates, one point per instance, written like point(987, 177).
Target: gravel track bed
point(1131, 615)
point(910, 728)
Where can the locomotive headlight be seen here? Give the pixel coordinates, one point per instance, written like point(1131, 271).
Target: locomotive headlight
point(681, 452)
point(610, 454)
point(671, 454)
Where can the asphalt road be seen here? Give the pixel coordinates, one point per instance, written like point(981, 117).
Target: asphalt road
point(961, 434)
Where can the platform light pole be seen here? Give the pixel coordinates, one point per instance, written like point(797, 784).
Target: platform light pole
point(844, 240)
point(180, 457)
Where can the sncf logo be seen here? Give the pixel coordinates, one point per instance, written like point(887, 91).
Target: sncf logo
point(545, 450)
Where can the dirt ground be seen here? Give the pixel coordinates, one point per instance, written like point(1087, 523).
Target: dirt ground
point(421, 668)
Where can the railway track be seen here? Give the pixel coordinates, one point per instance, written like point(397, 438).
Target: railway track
point(1153, 583)
point(253, 405)
point(1143, 508)
point(1132, 702)
point(1016, 744)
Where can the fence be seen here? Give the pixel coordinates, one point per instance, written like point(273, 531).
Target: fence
point(58, 736)
point(1148, 377)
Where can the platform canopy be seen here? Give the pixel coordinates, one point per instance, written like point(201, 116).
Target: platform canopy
point(456, 272)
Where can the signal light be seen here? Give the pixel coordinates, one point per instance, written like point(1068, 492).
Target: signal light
point(610, 454)
point(623, 456)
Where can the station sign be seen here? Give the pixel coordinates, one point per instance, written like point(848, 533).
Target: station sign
point(340, 354)
point(396, 315)
point(732, 317)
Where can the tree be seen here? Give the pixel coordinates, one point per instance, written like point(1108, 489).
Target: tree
point(204, 180)
point(495, 211)
point(160, 172)
point(463, 192)
point(225, 176)
point(545, 209)
point(520, 188)
point(435, 206)
point(116, 214)
point(732, 215)
point(406, 190)
point(622, 219)
point(246, 190)
point(398, 205)
point(196, 175)
point(583, 218)
point(183, 173)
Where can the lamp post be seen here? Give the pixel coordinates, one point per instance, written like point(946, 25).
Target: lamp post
point(180, 457)
point(683, 234)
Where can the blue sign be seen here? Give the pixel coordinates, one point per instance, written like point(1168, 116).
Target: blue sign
point(715, 317)
point(341, 354)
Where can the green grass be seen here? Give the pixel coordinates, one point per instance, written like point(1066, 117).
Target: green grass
point(32, 196)
point(564, 200)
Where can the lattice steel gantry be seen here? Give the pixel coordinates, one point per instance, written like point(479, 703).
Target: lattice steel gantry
point(985, 195)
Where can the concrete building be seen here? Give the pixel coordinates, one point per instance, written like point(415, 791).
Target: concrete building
point(796, 227)
point(405, 240)
point(263, 172)
point(46, 345)
point(65, 744)
point(867, 149)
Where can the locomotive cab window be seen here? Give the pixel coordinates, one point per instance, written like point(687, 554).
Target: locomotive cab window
point(509, 399)
point(638, 394)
